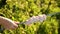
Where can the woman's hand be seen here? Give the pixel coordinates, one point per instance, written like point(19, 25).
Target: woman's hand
point(8, 24)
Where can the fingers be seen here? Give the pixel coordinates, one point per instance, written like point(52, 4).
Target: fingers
point(13, 27)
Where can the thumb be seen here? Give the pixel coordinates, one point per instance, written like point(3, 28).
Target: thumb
point(16, 22)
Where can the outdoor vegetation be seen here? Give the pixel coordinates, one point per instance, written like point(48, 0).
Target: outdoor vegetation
point(21, 10)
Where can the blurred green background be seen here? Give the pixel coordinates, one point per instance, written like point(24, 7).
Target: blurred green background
point(21, 10)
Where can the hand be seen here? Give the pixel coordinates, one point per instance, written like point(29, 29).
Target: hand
point(8, 24)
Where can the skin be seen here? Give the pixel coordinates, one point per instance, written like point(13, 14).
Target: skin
point(8, 24)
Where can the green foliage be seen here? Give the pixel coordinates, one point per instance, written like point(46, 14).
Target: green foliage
point(21, 10)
